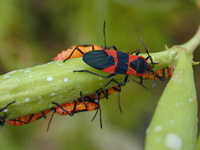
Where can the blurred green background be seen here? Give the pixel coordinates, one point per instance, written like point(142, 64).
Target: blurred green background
point(33, 32)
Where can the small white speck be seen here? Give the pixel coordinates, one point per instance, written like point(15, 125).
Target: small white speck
point(147, 130)
point(158, 128)
point(30, 76)
point(41, 101)
point(27, 71)
point(190, 100)
point(23, 86)
point(27, 99)
point(18, 79)
point(12, 71)
point(52, 94)
point(101, 84)
point(182, 103)
point(158, 140)
point(65, 79)
point(49, 79)
point(177, 104)
point(173, 141)
point(39, 97)
point(5, 110)
point(169, 107)
point(50, 62)
point(172, 121)
point(61, 64)
point(6, 76)
point(100, 78)
point(32, 83)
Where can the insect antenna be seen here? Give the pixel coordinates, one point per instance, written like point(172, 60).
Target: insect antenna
point(104, 34)
point(50, 119)
point(148, 57)
point(152, 64)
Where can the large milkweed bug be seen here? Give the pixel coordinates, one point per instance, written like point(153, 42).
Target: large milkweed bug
point(71, 108)
point(115, 62)
point(74, 107)
point(2, 118)
point(28, 118)
point(76, 52)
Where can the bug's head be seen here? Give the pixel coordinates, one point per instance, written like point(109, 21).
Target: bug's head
point(141, 66)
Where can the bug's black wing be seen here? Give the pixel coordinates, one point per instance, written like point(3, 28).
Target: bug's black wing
point(98, 59)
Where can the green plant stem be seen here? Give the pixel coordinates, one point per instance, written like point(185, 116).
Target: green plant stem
point(192, 44)
point(34, 89)
point(33, 93)
point(174, 124)
point(198, 144)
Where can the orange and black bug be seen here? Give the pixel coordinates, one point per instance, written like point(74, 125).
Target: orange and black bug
point(28, 118)
point(2, 118)
point(91, 102)
point(83, 104)
point(76, 52)
point(115, 62)
point(160, 74)
point(74, 107)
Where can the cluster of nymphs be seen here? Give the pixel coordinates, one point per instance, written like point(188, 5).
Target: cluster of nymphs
point(107, 60)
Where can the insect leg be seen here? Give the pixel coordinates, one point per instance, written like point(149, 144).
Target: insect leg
point(94, 73)
point(62, 109)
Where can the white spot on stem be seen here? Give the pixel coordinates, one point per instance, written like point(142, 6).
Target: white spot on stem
point(50, 62)
point(27, 99)
point(172, 121)
point(158, 140)
point(49, 79)
point(147, 130)
point(12, 71)
point(65, 79)
point(158, 128)
point(41, 101)
point(52, 94)
point(27, 71)
point(173, 141)
point(6, 76)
